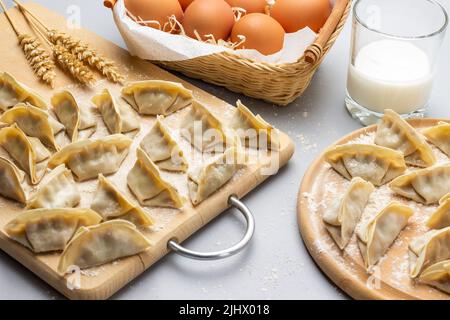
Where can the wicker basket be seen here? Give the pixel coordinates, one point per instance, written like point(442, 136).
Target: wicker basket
point(276, 83)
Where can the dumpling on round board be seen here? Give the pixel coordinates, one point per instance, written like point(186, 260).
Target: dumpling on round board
point(395, 133)
point(377, 234)
point(425, 186)
point(439, 135)
point(343, 216)
point(372, 163)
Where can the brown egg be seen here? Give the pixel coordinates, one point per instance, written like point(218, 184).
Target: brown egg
point(262, 33)
point(208, 17)
point(185, 3)
point(250, 6)
point(155, 10)
point(294, 15)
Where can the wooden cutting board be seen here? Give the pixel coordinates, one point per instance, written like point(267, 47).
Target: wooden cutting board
point(320, 186)
point(102, 282)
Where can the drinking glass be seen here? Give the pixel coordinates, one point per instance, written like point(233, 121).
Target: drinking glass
point(394, 51)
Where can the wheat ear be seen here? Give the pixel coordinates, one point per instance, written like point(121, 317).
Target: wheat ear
point(84, 53)
point(39, 60)
point(37, 57)
point(65, 59)
point(71, 64)
point(80, 50)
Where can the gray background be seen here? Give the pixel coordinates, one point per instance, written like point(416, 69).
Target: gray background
point(276, 265)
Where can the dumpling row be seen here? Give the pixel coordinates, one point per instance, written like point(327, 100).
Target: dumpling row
point(383, 164)
point(51, 221)
point(87, 158)
point(158, 150)
point(397, 143)
point(377, 234)
point(77, 232)
point(208, 134)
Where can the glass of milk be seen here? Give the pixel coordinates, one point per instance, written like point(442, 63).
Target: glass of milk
point(395, 44)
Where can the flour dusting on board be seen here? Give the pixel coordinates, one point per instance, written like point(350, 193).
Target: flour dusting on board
point(394, 265)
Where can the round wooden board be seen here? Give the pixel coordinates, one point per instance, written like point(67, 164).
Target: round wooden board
point(346, 268)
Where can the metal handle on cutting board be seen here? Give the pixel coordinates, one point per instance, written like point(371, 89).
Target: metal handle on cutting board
point(215, 255)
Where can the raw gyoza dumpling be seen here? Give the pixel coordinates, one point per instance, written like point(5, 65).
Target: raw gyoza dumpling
point(34, 122)
point(437, 275)
point(13, 92)
point(148, 186)
point(87, 158)
point(102, 243)
point(203, 130)
point(162, 149)
point(110, 203)
point(373, 163)
point(428, 249)
point(44, 230)
point(253, 130)
point(21, 149)
point(395, 133)
point(204, 180)
point(154, 97)
point(439, 136)
point(79, 122)
point(11, 180)
point(118, 117)
point(377, 235)
point(342, 218)
point(57, 190)
point(40, 150)
point(441, 217)
point(425, 185)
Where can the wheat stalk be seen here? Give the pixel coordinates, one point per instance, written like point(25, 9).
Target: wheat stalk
point(39, 60)
point(37, 57)
point(65, 59)
point(84, 53)
point(71, 64)
point(80, 51)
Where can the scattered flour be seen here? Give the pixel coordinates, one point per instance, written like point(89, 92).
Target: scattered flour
point(305, 143)
point(90, 272)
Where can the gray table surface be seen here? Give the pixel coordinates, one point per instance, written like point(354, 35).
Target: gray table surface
point(276, 265)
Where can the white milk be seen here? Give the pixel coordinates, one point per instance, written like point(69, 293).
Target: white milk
point(390, 74)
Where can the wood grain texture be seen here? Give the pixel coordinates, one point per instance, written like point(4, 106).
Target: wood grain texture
point(347, 270)
point(114, 276)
